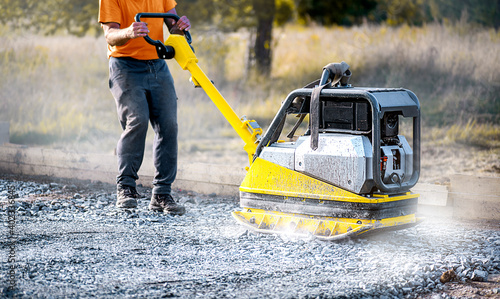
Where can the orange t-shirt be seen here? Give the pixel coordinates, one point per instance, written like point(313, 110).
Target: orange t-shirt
point(123, 13)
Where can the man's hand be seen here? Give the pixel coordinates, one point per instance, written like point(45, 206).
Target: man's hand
point(115, 36)
point(137, 29)
point(180, 26)
point(183, 23)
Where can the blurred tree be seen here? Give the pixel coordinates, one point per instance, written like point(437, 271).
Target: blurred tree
point(225, 15)
point(50, 16)
point(14, 10)
point(397, 12)
point(483, 12)
point(258, 16)
point(80, 16)
point(327, 12)
point(264, 12)
point(417, 12)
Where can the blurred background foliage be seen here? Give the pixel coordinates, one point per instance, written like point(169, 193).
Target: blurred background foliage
point(54, 67)
point(79, 16)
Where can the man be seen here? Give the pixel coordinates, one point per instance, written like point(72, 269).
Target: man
point(144, 92)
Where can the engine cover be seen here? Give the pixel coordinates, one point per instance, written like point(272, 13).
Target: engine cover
point(341, 160)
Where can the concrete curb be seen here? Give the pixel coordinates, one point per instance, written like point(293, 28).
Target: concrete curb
point(467, 197)
point(199, 177)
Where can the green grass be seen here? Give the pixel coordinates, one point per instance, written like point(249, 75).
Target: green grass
point(54, 90)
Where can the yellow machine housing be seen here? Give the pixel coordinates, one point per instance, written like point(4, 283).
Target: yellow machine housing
point(348, 174)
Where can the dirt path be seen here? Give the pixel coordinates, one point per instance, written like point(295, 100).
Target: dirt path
point(471, 289)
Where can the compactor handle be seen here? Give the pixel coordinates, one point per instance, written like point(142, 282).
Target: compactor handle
point(164, 52)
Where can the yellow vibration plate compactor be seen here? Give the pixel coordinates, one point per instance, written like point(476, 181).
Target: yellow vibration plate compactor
point(343, 169)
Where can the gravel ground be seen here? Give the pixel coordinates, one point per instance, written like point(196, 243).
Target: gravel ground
point(71, 241)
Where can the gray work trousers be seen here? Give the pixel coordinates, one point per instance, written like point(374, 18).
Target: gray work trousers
point(144, 92)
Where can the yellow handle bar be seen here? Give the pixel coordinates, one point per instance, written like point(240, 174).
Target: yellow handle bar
point(248, 130)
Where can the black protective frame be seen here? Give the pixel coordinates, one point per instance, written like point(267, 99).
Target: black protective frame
point(381, 102)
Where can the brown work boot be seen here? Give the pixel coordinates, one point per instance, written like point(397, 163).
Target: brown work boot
point(166, 204)
point(126, 197)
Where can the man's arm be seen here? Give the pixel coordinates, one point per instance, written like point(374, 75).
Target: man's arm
point(115, 36)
